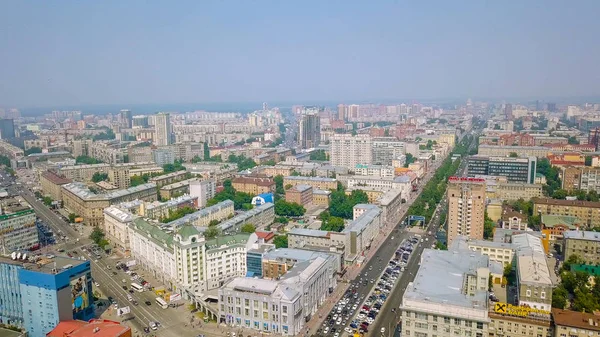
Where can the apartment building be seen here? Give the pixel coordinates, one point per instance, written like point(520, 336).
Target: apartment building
point(203, 191)
point(466, 207)
point(575, 324)
point(448, 296)
point(347, 150)
point(82, 173)
point(277, 170)
point(382, 171)
point(254, 185)
point(300, 194)
point(361, 231)
point(522, 151)
point(580, 178)
point(139, 154)
point(52, 183)
point(91, 328)
point(521, 170)
point(170, 178)
point(554, 226)
point(309, 134)
point(18, 231)
point(321, 197)
point(586, 211)
point(116, 223)
point(176, 189)
point(386, 149)
point(203, 217)
point(584, 244)
point(108, 152)
point(514, 220)
point(515, 191)
point(316, 182)
point(390, 203)
point(10, 150)
point(534, 283)
point(259, 216)
point(80, 200)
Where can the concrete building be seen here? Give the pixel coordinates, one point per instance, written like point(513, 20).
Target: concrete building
point(586, 211)
point(254, 185)
point(139, 154)
point(521, 170)
point(163, 156)
point(584, 244)
point(316, 182)
point(348, 151)
point(203, 190)
point(361, 231)
point(300, 194)
point(382, 171)
point(466, 207)
point(116, 223)
point(500, 252)
point(280, 306)
point(109, 152)
point(534, 283)
point(448, 296)
point(163, 129)
point(176, 189)
point(169, 178)
point(259, 216)
point(309, 133)
point(80, 200)
point(321, 197)
point(386, 149)
point(575, 324)
point(390, 203)
point(18, 231)
point(52, 183)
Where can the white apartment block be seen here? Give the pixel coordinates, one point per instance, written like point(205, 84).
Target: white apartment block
point(203, 190)
point(348, 151)
point(381, 171)
point(116, 223)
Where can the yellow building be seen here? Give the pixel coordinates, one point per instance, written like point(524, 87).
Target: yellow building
point(316, 182)
point(321, 197)
point(254, 185)
point(51, 184)
point(586, 211)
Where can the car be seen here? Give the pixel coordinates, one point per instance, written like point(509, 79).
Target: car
point(148, 303)
point(131, 291)
point(116, 306)
point(146, 329)
point(326, 330)
point(348, 329)
point(153, 326)
point(114, 273)
point(97, 284)
point(382, 330)
point(124, 287)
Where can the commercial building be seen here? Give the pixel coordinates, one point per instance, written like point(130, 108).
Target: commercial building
point(203, 190)
point(347, 150)
point(522, 151)
point(80, 200)
point(575, 324)
point(18, 231)
point(513, 191)
point(390, 204)
point(254, 185)
point(386, 149)
point(281, 306)
point(500, 252)
point(466, 207)
point(316, 182)
point(521, 170)
point(52, 183)
point(584, 244)
point(37, 294)
point(448, 296)
point(163, 129)
point(95, 327)
point(534, 283)
point(309, 133)
point(300, 194)
point(586, 211)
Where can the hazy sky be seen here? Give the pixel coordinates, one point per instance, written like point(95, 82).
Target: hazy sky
point(118, 52)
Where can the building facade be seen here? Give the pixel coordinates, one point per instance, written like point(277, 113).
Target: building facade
point(466, 207)
point(520, 170)
point(584, 244)
point(18, 231)
point(586, 211)
point(347, 150)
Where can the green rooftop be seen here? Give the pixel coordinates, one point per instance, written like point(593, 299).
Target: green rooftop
point(16, 214)
point(552, 220)
point(153, 232)
point(186, 231)
point(228, 240)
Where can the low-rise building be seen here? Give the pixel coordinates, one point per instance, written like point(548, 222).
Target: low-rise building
point(553, 226)
point(512, 219)
point(575, 324)
point(170, 178)
point(321, 197)
point(390, 204)
point(584, 244)
point(254, 185)
point(176, 189)
point(52, 183)
point(300, 194)
point(260, 216)
point(534, 284)
point(316, 182)
point(95, 327)
point(587, 211)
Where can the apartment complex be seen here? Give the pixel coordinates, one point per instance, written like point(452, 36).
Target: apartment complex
point(163, 129)
point(80, 200)
point(586, 211)
point(254, 185)
point(520, 170)
point(347, 150)
point(466, 207)
point(18, 231)
point(584, 244)
point(580, 178)
point(386, 149)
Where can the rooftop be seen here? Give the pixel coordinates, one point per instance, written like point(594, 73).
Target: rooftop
point(574, 319)
point(95, 327)
point(550, 220)
point(582, 235)
point(309, 232)
point(359, 224)
point(83, 192)
point(300, 188)
point(532, 266)
point(558, 202)
point(323, 179)
point(55, 178)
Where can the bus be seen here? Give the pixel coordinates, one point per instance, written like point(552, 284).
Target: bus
point(137, 287)
point(162, 303)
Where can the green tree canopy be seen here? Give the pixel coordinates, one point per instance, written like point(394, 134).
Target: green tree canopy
point(284, 208)
point(280, 241)
point(99, 176)
point(211, 232)
point(248, 228)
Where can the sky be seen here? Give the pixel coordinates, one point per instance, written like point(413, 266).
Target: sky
point(73, 53)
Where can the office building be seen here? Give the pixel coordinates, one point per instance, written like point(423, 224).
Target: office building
point(348, 151)
point(163, 129)
point(448, 296)
point(466, 207)
point(281, 306)
point(95, 327)
point(521, 170)
point(203, 190)
point(584, 244)
point(7, 129)
point(18, 231)
point(586, 211)
point(309, 133)
point(37, 294)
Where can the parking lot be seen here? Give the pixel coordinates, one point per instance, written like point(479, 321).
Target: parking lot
point(362, 302)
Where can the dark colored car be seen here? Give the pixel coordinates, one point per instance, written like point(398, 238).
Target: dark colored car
point(148, 303)
point(124, 287)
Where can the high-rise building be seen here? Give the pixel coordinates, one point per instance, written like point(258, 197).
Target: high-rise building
point(466, 207)
point(126, 118)
point(203, 190)
point(353, 111)
point(7, 129)
point(516, 170)
point(348, 150)
point(309, 134)
point(508, 111)
point(386, 149)
point(163, 129)
point(341, 112)
point(139, 122)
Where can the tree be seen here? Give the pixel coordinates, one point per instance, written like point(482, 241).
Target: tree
point(248, 228)
point(278, 179)
point(4, 160)
point(559, 194)
point(176, 166)
point(72, 217)
point(177, 214)
point(211, 232)
point(97, 235)
point(213, 222)
point(87, 160)
point(513, 155)
point(282, 220)
point(280, 241)
point(106, 135)
point(440, 246)
point(573, 140)
point(559, 297)
point(99, 176)
point(47, 201)
point(319, 155)
point(284, 208)
point(333, 224)
point(588, 160)
point(409, 159)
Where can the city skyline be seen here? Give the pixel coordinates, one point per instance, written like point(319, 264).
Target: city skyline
point(69, 54)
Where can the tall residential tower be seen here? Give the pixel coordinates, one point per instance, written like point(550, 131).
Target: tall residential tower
point(466, 208)
point(309, 134)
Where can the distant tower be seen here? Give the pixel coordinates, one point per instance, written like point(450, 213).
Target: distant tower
point(126, 118)
point(265, 106)
point(594, 137)
point(341, 112)
point(163, 129)
point(7, 129)
point(508, 111)
point(309, 134)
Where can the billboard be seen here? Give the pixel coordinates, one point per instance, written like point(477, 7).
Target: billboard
point(79, 293)
point(123, 311)
point(520, 311)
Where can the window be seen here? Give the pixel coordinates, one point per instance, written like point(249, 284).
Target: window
point(284, 309)
point(528, 293)
point(446, 320)
point(543, 294)
point(479, 325)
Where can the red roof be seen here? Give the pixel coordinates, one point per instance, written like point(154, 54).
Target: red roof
point(267, 236)
point(95, 327)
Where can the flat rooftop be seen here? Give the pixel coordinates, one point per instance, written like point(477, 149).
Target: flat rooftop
point(582, 235)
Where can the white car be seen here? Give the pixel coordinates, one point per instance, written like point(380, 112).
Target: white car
point(382, 329)
point(153, 326)
point(348, 330)
point(326, 330)
point(339, 321)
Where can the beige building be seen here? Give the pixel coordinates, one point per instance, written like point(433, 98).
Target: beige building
point(254, 185)
point(575, 324)
point(316, 182)
point(78, 199)
point(466, 207)
point(176, 189)
point(52, 184)
point(584, 244)
point(515, 191)
point(170, 178)
point(586, 211)
point(277, 170)
point(515, 326)
point(347, 150)
point(321, 197)
point(300, 194)
point(534, 283)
